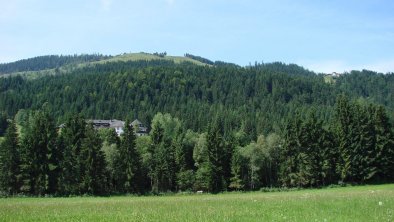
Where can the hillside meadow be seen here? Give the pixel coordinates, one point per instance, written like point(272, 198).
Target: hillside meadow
point(362, 203)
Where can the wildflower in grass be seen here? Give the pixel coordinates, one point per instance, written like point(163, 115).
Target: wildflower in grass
point(380, 203)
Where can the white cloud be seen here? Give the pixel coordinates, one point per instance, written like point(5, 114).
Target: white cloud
point(106, 4)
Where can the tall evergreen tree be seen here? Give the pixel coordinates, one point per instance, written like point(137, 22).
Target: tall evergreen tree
point(346, 135)
point(129, 162)
point(215, 148)
point(39, 142)
point(384, 149)
point(3, 123)
point(154, 168)
point(93, 180)
point(72, 162)
point(10, 161)
point(290, 151)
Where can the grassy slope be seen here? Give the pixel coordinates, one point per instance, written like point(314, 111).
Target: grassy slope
point(123, 57)
point(146, 56)
point(337, 204)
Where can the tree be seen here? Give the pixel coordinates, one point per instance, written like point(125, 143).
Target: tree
point(39, 143)
point(384, 146)
point(215, 150)
point(129, 162)
point(93, 181)
point(165, 131)
point(271, 152)
point(10, 161)
point(236, 182)
point(289, 154)
point(110, 148)
point(72, 163)
point(3, 123)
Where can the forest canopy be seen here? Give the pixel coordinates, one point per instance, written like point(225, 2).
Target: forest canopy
point(212, 127)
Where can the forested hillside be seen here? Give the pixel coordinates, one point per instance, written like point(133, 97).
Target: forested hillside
point(259, 98)
point(47, 62)
point(223, 127)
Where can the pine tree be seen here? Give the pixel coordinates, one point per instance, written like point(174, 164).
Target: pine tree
point(384, 146)
point(72, 165)
point(215, 147)
point(93, 180)
point(10, 161)
point(129, 162)
point(289, 155)
point(38, 142)
point(154, 168)
point(3, 123)
point(346, 135)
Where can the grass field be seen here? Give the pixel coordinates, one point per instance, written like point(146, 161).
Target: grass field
point(146, 56)
point(364, 203)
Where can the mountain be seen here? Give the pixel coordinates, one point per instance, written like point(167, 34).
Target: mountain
point(55, 64)
point(256, 98)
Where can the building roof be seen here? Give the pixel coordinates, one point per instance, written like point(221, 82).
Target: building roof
point(136, 122)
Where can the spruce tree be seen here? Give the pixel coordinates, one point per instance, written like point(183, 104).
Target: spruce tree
point(38, 143)
point(93, 180)
point(154, 161)
point(72, 165)
point(3, 123)
point(10, 161)
point(129, 162)
point(215, 147)
point(289, 154)
point(384, 147)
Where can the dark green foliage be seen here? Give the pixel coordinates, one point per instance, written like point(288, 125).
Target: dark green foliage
point(3, 123)
point(39, 143)
point(260, 97)
point(72, 163)
point(216, 155)
point(384, 145)
point(93, 178)
point(309, 157)
point(274, 125)
point(47, 62)
point(199, 58)
point(10, 161)
point(129, 162)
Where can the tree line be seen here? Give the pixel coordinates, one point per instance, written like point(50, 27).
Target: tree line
point(48, 62)
point(39, 158)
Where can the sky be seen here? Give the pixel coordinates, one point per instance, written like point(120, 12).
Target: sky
point(323, 36)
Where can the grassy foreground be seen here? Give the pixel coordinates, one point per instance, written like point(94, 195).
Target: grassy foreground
point(364, 203)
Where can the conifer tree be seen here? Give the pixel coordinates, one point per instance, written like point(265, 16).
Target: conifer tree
point(215, 148)
point(3, 123)
point(93, 181)
point(129, 162)
point(154, 169)
point(384, 149)
point(72, 165)
point(10, 161)
point(39, 142)
point(290, 151)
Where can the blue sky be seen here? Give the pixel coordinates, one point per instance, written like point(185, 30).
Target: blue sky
point(324, 36)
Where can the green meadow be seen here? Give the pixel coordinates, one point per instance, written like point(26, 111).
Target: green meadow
point(362, 203)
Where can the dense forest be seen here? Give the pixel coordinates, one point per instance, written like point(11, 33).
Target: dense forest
point(47, 62)
point(214, 128)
